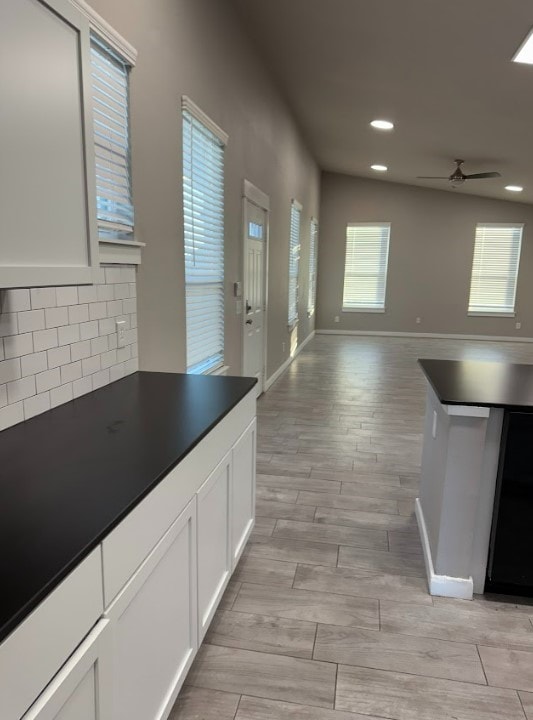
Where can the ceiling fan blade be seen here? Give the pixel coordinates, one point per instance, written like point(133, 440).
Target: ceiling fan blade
point(432, 177)
point(480, 176)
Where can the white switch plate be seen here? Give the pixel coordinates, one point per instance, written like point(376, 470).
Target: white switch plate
point(337, 318)
point(121, 332)
point(518, 325)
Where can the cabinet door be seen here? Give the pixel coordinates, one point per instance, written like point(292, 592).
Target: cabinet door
point(82, 689)
point(214, 542)
point(154, 628)
point(243, 491)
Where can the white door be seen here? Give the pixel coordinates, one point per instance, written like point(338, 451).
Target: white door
point(255, 236)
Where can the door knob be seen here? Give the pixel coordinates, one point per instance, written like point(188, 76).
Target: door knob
point(248, 307)
point(248, 322)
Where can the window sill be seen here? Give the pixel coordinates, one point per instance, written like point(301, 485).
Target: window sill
point(492, 314)
point(220, 370)
point(124, 252)
point(363, 310)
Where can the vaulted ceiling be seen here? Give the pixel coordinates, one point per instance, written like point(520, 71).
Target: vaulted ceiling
point(441, 70)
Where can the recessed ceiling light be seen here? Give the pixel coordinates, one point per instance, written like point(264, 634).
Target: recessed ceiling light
point(382, 124)
point(524, 54)
point(379, 168)
point(514, 188)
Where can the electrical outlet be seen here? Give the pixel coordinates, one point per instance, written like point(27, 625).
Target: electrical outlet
point(518, 325)
point(418, 320)
point(337, 318)
point(120, 326)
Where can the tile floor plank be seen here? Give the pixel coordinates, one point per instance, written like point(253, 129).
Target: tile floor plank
point(264, 571)
point(336, 534)
point(251, 708)
point(508, 668)
point(382, 562)
point(202, 704)
point(351, 502)
point(295, 551)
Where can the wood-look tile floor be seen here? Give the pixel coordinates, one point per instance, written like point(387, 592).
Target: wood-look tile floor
point(327, 616)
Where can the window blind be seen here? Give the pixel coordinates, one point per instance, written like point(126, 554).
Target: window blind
point(495, 268)
point(365, 268)
point(313, 242)
point(294, 261)
point(110, 87)
point(203, 216)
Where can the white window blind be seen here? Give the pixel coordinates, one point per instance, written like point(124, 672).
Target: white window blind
point(495, 268)
point(294, 261)
point(313, 247)
point(365, 268)
point(203, 216)
point(110, 86)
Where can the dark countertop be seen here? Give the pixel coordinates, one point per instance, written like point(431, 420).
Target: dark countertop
point(485, 384)
point(70, 475)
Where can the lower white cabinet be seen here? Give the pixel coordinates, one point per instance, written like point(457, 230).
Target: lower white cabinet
point(82, 690)
point(154, 627)
point(243, 490)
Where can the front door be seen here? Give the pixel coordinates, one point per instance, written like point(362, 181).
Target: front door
point(255, 235)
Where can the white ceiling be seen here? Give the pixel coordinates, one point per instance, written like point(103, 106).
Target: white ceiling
point(439, 69)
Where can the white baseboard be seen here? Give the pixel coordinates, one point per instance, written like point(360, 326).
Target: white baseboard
point(442, 585)
point(435, 336)
point(272, 379)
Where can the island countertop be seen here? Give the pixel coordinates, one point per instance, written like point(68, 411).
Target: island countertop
point(480, 383)
point(69, 476)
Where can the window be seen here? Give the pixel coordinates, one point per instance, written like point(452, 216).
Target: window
point(365, 268)
point(312, 267)
point(495, 269)
point(294, 261)
point(203, 221)
point(110, 87)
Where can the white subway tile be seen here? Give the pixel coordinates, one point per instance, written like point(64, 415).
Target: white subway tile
point(106, 326)
point(36, 405)
point(67, 295)
point(43, 298)
point(124, 353)
point(91, 365)
point(78, 314)
point(87, 294)
point(100, 379)
point(97, 310)
point(99, 345)
point(61, 394)
point(129, 305)
point(54, 317)
point(89, 330)
point(127, 274)
point(108, 359)
point(33, 364)
point(130, 336)
point(112, 275)
point(131, 366)
point(104, 292)
point(18, 345)
point(44, 339)
point(3, 395)
point(122, 291)
point(114, 308)
point(68, 334)
point(1, 349)
point(133, 320)
point(134, 350)
point(9, 370)
point(9, 324)
point(82, 386)
point(112, 341)
point(71, 372)
point(17, 300)
point(116, 372)
point(30, 321)
point(11, 415)
point(18, 390)
point(59, 356)
point(133, 290)
point(48, 379)
point(80, 350)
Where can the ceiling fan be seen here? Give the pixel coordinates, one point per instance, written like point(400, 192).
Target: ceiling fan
point(458, 177)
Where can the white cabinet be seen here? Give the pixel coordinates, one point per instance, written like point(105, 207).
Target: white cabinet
point(214, 551)
point(154, 627)
point(82, 689)
point(243, 490)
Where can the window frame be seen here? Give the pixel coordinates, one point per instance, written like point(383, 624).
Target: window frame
point(494, 312)
point(313, 267)
point(294, 247)
point(367, 309)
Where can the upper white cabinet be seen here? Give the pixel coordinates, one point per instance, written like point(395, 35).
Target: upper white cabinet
point(47, 185)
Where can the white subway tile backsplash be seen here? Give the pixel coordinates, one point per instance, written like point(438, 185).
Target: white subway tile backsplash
point(45, 339)
point(58, 356)
point(48, 379)
point(33, 364)
point(36, 405)
point(67, 295)
point(60, 343)
point(43, 298)
point(20, 389)
point(54, 317)
point(29, 321)
point(18, 345)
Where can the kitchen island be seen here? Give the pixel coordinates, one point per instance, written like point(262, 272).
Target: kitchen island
point(467, 409)
point(122, 517)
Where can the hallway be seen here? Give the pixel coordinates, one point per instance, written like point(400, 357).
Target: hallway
point(328, 616)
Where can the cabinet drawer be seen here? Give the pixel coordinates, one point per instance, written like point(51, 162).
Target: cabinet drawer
point(36, 650)
point(130, 543)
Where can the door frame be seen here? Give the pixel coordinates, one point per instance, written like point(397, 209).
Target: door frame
point(251, 193)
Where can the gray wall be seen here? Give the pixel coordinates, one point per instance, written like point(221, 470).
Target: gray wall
point(198, 48)
point(430, 257)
